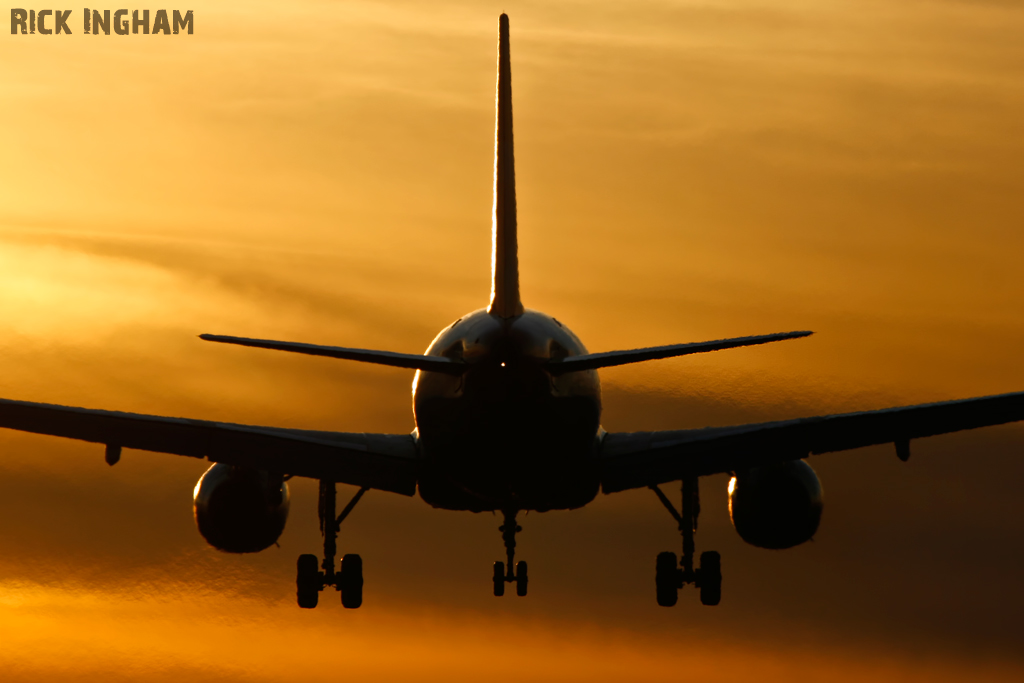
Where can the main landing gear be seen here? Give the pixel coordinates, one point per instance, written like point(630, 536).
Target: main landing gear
point(519, 578)
point(670, 576)
point(349, 579)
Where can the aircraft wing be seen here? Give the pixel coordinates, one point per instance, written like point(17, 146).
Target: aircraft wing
point(387, 462)
point(642, 459)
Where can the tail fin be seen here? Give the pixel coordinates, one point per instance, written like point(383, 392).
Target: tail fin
point(504, 250)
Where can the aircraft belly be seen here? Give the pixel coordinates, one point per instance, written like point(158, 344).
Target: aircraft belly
point(527, 455)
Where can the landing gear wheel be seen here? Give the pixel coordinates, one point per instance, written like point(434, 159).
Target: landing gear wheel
point(521, 579)
point(666, 579)
point(351, 583)
point(307, 581)
point(709, 577)
point(499, 579)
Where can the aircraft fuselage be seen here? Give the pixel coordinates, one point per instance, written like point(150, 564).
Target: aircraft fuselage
point(507, 434)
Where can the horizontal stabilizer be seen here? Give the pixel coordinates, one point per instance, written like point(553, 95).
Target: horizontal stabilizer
point(398, 360)
point(593, 361)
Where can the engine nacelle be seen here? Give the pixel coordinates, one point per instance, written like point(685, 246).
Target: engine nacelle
point(240, 510)
point(776, 506)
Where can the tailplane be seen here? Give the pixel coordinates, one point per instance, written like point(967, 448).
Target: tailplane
point(505, 300)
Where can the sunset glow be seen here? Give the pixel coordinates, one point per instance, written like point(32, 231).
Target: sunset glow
point(686, 171)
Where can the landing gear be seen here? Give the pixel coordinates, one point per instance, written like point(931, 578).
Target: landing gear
point(666, 578)
point(351, 581)
point(499, 579)
point(670, 576)
point(709, 578)
point(308, 582)
point(348, 580)
point(519, 576)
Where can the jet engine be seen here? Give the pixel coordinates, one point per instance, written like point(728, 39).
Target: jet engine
point(240, 510)
point(776, 506)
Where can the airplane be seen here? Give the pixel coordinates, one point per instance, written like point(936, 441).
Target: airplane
point(507, 408)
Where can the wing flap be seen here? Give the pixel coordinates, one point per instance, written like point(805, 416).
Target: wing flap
point(634, 460)
point(380, 461)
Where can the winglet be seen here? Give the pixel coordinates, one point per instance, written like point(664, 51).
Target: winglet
point(504, 248)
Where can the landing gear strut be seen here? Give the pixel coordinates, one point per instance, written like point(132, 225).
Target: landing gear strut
point(349, 579)
point(519, 577)
point(670, 576)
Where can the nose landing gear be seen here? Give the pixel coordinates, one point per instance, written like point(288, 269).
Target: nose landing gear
point(348, 580)
point(670, 576)
point(519, 576)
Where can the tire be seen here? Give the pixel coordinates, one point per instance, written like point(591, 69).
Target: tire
point(666, 579)
point(351, 581)
point(499, 579)
point(307, 581)
point(710, 578)
point(521, 579)
point(308, 599)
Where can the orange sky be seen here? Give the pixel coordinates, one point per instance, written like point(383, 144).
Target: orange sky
point(321, 172)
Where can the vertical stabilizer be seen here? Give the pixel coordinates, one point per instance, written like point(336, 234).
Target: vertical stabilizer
point(504, 246)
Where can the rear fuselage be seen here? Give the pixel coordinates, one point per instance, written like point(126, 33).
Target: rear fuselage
point(507, 434)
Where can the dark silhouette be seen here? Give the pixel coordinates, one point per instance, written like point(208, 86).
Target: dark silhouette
point(507, 404)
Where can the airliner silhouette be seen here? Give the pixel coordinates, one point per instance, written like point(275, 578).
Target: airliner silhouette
point(507, 407)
